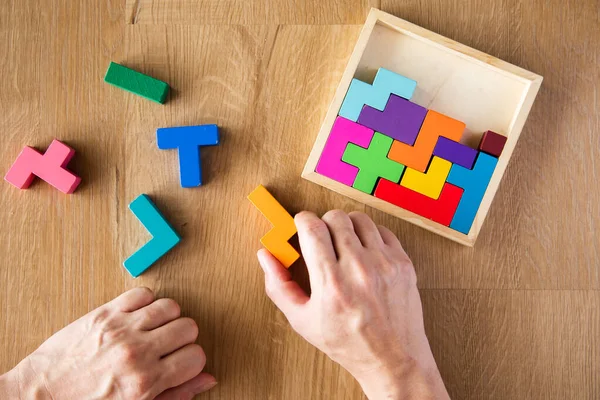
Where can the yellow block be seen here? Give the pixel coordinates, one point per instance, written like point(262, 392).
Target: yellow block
point(429, 183)
point(276, 240)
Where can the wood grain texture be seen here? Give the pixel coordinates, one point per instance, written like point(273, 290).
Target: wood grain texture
point(515, 317)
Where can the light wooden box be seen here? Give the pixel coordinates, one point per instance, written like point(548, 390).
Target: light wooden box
point(484, 92)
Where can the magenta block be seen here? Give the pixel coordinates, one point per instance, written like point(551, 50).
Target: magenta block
point(400, 120)
point(50, 167)
point(343, 132)
point(455, 152)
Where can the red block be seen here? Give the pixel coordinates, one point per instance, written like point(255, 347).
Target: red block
point(492, 143)
point(441, 210)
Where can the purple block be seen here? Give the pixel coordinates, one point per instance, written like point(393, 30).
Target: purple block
point(456, 153)
point(400, 120)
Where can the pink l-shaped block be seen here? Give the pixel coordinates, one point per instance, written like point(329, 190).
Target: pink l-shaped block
point(343, 132)
point(50, 167)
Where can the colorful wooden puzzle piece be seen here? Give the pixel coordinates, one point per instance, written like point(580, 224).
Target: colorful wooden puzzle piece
point(164, 237)
point(474, 182)
point(441, 210)
point(400, 120)
point(492, 143)
point(361, 93)
point(136, 83)
point(188, 140)
point(343, 132)
point(455, 152)
point(50, 167)
point(373, 163)
point(276, 240)
point(418, 156)
point(428, 183)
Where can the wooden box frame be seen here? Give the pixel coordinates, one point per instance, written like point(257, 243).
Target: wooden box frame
point(454, 79)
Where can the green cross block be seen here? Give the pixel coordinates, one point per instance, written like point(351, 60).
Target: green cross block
point(373, 163)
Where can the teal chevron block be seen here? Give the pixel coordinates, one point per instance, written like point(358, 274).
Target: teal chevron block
point(475, 183)
point(385, 83)
point(164, 237)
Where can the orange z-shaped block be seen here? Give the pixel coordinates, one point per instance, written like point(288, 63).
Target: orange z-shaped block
point(435, 125)
point(276, 240)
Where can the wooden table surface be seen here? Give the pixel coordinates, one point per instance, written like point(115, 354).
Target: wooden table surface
point(517, 317)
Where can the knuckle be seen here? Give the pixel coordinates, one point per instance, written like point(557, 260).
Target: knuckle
point(335, 215)
point(271, 291)
point(140, 385)
point(198, 354)
point(191, 327)
point(359, 215)
point(127, 354)
point(143, 291)
point(170, 306)
point(316, 227)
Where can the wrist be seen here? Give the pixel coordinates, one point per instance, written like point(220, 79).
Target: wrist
point(404, 382)
point(9, 385)
point(22, 383)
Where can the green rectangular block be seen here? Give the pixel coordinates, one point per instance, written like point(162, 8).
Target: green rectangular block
point(136, 83)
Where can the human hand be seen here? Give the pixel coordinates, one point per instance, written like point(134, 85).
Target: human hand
point(364, 310)
point(133, 347)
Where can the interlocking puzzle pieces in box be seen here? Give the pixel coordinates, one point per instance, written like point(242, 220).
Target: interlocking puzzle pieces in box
point(50, 167)
point(384, 145)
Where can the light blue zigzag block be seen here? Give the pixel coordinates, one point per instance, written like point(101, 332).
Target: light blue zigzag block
point(164, 237)
point(188, 140)
point(386, 82)
point(474, 182)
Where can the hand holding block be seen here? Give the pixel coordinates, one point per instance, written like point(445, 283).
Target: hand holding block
point(330, 163)
point(188, 140)
point(50, 167)
point(492, 143)
point(435, 125)
point(164, 237)
point(373, 163)
point(136, 83)
point(386, 83)
point(400, 120)
point(276, 240)
point(428, 183)
point(474, 182)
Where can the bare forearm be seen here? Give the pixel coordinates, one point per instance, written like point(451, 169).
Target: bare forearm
point(407, 383)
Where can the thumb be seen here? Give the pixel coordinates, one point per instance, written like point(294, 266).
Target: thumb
point(287, 295)
point(186, 391)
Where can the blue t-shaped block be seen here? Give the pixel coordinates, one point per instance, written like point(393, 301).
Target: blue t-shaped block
point(188, 140)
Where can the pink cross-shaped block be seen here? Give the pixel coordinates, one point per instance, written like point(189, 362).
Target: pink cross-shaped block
point(50, 167)
point(343, 132)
